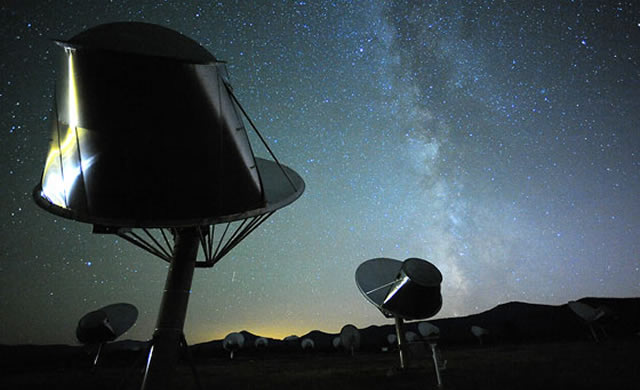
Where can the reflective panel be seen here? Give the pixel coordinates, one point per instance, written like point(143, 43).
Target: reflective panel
point(374, 279)
point(408, 290)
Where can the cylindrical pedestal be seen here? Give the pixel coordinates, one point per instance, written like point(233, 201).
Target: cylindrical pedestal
point(401, 341)
point(167, 337)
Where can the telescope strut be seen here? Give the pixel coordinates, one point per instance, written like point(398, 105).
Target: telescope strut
point(168, 334)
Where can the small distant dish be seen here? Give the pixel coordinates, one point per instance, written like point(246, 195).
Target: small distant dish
point(261, 343)
point(106, 324)
point(586, 312)
point(336, 342)
point(350, 338)
point(411, 337)
point(479, 332)
point(307, 344)
point(233, 342)
point(428, 330)
point(589, 315)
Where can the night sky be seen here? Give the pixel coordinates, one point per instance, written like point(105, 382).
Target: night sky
point(498, 139)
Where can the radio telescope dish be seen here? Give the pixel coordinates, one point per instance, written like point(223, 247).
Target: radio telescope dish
point(410, 336)
point(407, 290)
point(428, 330)
point(588, 314)
point(233, 342)
point(479, 332)
point(350, 338)
point(261, 343)
point(106, 324)
point(149, 142)
point(307, 344)
point(392, 339)
point(336, 342)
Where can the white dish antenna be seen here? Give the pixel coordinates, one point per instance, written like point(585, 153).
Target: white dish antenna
point(428, 330)
point(336, 342)
point(479, 332)
point(307, 344)
point(392, 338)
point(261, 343)
point(233, 342)
point(411, 337)
point(350, 338)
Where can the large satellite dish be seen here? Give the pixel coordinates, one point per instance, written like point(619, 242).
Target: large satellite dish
point(149, 143)
point(404, 290)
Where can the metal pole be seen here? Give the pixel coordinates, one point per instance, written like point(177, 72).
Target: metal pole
point(401, 341)
point(168, 334)
point(436, 364)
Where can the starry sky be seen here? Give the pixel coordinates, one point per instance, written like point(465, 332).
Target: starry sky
point(498, 139)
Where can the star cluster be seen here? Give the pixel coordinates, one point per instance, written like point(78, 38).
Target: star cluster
point(499, 140)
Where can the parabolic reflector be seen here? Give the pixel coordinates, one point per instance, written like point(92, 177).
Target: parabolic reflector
point(374, 279)
point(408, 290)
point(148, 134)
point(107, 323)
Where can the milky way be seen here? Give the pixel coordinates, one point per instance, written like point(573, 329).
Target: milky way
point(499, 140)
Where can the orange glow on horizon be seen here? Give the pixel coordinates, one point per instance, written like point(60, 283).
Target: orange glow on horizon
point(269, 331)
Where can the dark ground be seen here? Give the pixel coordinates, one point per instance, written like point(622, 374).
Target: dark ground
point(611, 364)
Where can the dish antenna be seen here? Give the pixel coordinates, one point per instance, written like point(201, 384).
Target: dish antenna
point(479, 332)
point(149, 143)
point(411, 337)
point(106, 324)
point(233, 342)
point(336, 342)
point(307, 344)
point(350, 338)
point(403, 290)
point(428, 330)
point(588, 314)
point(261, 343)
point(431, 333)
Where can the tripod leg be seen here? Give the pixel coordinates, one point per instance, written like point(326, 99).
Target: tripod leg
point(192, 362)
point(134, 366)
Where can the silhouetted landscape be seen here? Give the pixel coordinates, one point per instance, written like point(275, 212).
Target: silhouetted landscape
point(528, 345)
